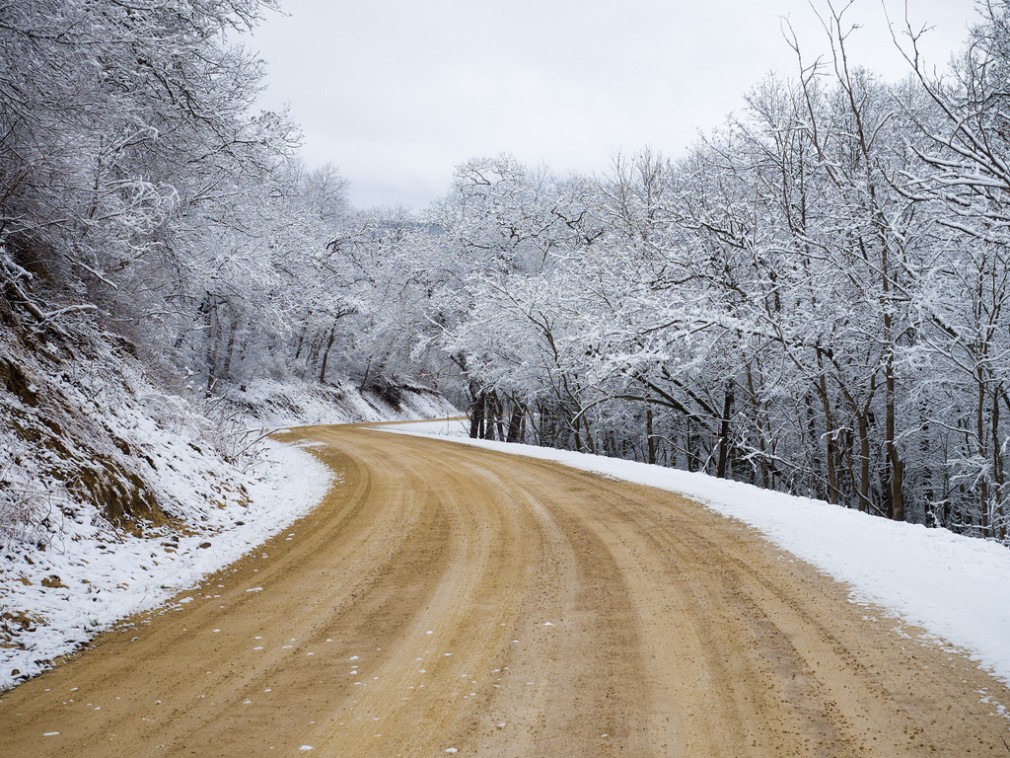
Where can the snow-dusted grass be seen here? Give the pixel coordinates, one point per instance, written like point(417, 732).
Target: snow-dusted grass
point(956, 588)
point(90, 576)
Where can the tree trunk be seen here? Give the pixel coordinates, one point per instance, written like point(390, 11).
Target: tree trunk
point(815, 461)
point(515, 431)
point(650, 435)
point(759, 424)
point(999, 520)
point(896, 465)
point(830, 452)
point(690, 446)
point(477, 416)
point(326, 354)
point(490, 413)
point(863, 427)
point(207, 309)
point(724, 431)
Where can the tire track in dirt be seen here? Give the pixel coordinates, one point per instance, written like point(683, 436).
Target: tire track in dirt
point(449, 597)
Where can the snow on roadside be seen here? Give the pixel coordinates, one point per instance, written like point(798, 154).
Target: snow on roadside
point(267, 402)
point(66, 573)
point(954, 587)
point(91, 577)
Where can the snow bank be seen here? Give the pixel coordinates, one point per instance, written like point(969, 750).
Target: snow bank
point(956, 588)
point(90, 576)
point(195, 491)
point(271, 403)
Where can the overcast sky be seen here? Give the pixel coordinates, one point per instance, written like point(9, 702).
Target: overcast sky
point(395, 93)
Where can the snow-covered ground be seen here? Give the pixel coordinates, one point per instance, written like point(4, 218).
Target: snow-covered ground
point(956, 588)
point(90, 576)
point(66, 573)
point(271, 403)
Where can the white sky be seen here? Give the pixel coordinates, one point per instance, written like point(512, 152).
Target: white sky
point(395, 93)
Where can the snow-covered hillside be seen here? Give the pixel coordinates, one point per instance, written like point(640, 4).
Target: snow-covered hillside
point(116, 494)
point(271, 403)
point(952, 586)
point(90, 575)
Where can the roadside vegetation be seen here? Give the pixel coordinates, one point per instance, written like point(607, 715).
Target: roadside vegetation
point(813, 298)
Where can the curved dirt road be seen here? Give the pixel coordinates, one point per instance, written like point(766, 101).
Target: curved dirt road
point(445, 597)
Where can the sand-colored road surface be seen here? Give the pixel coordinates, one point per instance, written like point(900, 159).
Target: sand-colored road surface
point(446, 599)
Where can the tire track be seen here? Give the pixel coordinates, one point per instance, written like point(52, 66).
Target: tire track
point(448, 597)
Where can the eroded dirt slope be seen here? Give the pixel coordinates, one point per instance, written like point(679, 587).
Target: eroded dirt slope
point(447, 598)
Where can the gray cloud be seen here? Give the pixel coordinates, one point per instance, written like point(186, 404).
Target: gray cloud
point(396, 93)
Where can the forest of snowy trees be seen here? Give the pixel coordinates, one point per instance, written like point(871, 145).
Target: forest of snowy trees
point(811, 300)
point(814, 298)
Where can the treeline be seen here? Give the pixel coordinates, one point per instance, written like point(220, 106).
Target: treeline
point(142, 194)
point(815, 299)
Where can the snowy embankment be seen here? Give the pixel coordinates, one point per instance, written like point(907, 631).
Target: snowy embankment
point(67, 572)
point(956, 588)
point(90, 575)
point(270, 403)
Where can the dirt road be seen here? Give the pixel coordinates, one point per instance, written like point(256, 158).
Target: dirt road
point(448, 599)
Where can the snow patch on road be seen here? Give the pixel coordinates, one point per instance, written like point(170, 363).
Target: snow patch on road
point(952, 586)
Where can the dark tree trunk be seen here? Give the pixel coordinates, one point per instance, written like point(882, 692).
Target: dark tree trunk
point(207, 310)
point(515, 431)
point(650, 435)
point(724, 431)
point(326, 353)
point(477, 416)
